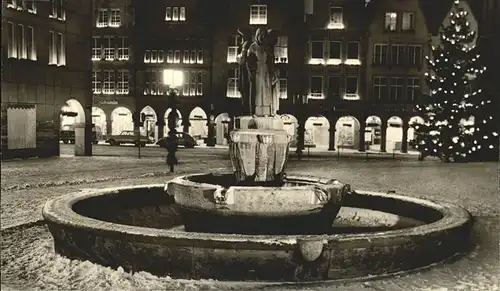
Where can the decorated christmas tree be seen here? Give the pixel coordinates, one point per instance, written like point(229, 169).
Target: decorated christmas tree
point(454, 127)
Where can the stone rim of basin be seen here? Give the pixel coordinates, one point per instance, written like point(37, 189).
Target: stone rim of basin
point(60, 211)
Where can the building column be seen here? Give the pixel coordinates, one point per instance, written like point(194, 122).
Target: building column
point(109, 128)
point(186, 124)
point(211, 138)
point(362, 129)
point(161, 127)
point(331, 141)
point(404, 142)
point(383, 135)
point(301, 130)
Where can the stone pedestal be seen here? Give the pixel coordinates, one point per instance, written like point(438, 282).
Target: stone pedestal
point(258, 149)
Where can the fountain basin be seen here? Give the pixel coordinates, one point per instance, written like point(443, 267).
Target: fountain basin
point(140, 228)
point(217, 203)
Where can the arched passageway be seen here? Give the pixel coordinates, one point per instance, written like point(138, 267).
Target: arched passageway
point(178, 128)
point(373, 133)
point(100, 123)
point(290, 124)
point(222, 128)
point(394, 135)
point(121, 119)
point(411, 131)
point(317, 132)
point(72, 120)
point(198, 123)
point(347, 133)
point(149, 127)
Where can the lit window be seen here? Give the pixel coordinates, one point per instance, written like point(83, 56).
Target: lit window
point(109, 48)
point(52, 48)
point(12, 41)
point(61, 50)
point(96, 48)
point(109, 82)
point(396, 88)
point(193, 85)
point(415, 55)
point(96, 82)
point(21, 5)
point(147, 56)
point(397, 54)
point(316, 52)
point(175, 14)
point(258, 14)
point(380, 90)
point(408, 22)
point(12, 4)
point(177, 56)
point(58, 10)
point(161, 58)
point(232, 84)
point(281, 50)
point(283, 85)
point(352, 53)
point(334, 53)
point(391, 21)
point(170, 56)
point(380, 54)
point(123, 48)
point(182, 14)
point(316, 91)
point(154, 56)
point(199, 54)
point(413, 89)
point(336, 19)
point(232, 48)
point(122, 84)
point(103, 18)
point(351, 88)
point(31, 43)
point(115, 18)
point(21, 42)
point(31, 6)
point(185, 58)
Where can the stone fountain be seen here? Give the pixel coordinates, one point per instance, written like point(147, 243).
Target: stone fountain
point(258, 197)
point(256, 223)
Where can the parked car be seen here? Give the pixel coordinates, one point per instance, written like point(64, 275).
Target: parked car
point(183, 139)
point(128, 136)
point(67, 135)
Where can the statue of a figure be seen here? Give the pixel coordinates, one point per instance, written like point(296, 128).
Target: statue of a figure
point(243, 76)
point(262, 74)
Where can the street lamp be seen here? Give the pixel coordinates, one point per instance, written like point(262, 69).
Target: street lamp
point(300, 101)
point(173, 79)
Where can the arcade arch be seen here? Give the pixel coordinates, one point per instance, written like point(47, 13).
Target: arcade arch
point(372, 133)
point(290, 124)
point(222, 128)
point(178, 128)
point(394, 134)
point(198, 120)
point(347, 132)
point(149, 127)
point(121, 119)
point(317, 132)
point(100, 122)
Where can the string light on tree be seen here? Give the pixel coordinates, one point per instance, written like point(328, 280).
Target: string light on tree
point(454, 127)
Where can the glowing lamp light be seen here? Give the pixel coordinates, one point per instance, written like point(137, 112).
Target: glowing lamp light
point(173, 78)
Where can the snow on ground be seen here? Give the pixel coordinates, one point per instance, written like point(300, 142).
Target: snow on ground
point(28, 259)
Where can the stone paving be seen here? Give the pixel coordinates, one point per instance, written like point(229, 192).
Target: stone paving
point(27, 184)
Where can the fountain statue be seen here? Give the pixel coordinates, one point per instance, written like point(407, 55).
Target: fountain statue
point(258, 197)
point(255, 223)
